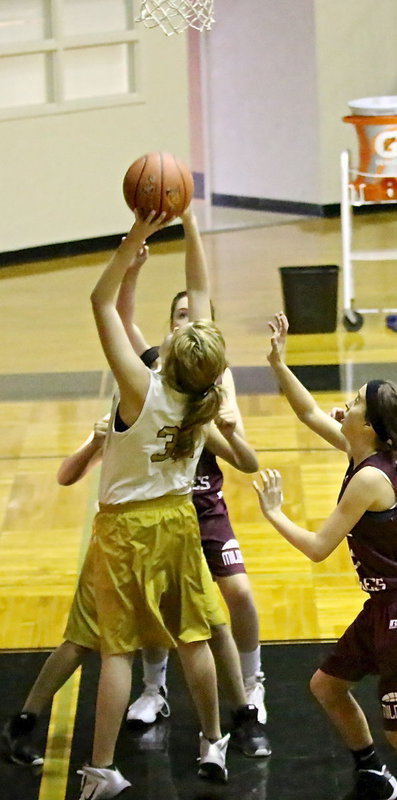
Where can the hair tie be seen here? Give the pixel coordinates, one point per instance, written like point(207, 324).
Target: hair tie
point(204, 394)
point(373, 415)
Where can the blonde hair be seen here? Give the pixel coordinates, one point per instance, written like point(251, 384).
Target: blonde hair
point(195, 360)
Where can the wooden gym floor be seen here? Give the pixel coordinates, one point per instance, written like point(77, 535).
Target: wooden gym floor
point(54, 384)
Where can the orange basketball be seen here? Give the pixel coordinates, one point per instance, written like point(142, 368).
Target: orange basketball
point(158, 181)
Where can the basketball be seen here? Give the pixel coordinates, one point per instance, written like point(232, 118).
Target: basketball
point(158, 181)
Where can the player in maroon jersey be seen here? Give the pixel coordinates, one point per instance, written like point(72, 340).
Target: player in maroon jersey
point(366, 513)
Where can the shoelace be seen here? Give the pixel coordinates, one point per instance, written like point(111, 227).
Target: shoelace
point(84, 783)
point(165, 710)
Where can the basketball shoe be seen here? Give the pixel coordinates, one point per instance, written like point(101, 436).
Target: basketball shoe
point(101, 784)
point(16, 740)
point(213, 759)
point(249, 735)
point(255, 694)
point(149, 706)
point(373, 785)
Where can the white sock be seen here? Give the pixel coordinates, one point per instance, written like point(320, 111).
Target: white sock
point(155, 674)
point(250, 664)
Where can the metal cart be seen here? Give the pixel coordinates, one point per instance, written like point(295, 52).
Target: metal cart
point(354, 194)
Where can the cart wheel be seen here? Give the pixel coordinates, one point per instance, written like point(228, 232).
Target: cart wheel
point(353, 320)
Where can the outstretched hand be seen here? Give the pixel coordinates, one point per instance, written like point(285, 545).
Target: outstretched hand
point(279, 330)
point(226, 419)
point(270, 494)
point(133, 249)
point(146, 226)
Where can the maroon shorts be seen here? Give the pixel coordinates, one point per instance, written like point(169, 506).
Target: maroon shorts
point(219, 543)
point(369, 646)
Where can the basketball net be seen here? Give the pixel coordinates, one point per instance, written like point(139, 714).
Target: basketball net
point(174, 16)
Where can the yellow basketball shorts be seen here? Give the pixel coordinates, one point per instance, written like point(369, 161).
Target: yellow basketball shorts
point(152, 585)
point(82, 625)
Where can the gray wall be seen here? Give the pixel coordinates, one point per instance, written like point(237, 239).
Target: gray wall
point(279, 76)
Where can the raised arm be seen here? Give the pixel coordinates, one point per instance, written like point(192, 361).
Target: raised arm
point(130, 373)
point(75, 466)
point(197, 281)
point(230, 390)
point(126, 302)
point(365, 491)
point(300, 400)
point(225, 441)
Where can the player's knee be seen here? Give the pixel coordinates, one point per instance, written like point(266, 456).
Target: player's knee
point(76, 649)
point(319, 686)
point(328, 690)
point(218, 632)
point(240, 599)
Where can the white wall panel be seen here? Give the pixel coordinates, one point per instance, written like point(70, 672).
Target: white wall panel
point(61, 174)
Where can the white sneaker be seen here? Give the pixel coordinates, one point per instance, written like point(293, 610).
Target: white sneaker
point(151, 704)
point(255, 694)
point(213, 759)
point(101, 783)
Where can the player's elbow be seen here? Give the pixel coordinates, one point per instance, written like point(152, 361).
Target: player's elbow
point(306, 416)
point(316, 557)
point(64, 478)
point(250, 466)
point(317, 554)
point(94, 299)
point(63, 481)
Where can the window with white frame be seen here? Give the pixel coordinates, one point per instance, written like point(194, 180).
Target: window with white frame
point(60, 55)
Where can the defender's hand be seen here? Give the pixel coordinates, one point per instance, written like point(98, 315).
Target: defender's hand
point(270, 494)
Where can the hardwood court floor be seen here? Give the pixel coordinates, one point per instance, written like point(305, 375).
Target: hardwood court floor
point(54, 384)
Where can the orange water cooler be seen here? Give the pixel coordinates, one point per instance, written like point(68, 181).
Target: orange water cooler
point(373, 181)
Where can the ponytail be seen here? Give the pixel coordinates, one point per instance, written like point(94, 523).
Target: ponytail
point(200, 409)
point(194, 362)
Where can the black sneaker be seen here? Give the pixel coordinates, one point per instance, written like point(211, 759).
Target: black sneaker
point(373, 785)
point(249, 735)
point(16, 741)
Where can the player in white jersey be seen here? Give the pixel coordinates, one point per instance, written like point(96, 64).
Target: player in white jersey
point(151, 586)
point(81, 632)
point(216, 532)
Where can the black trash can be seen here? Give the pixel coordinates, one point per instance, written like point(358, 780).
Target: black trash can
point(310, 297)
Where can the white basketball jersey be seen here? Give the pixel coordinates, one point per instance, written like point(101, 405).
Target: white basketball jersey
point(137, 463)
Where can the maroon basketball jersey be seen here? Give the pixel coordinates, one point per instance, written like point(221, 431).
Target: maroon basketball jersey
point(207, 490)
point(373, 540)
